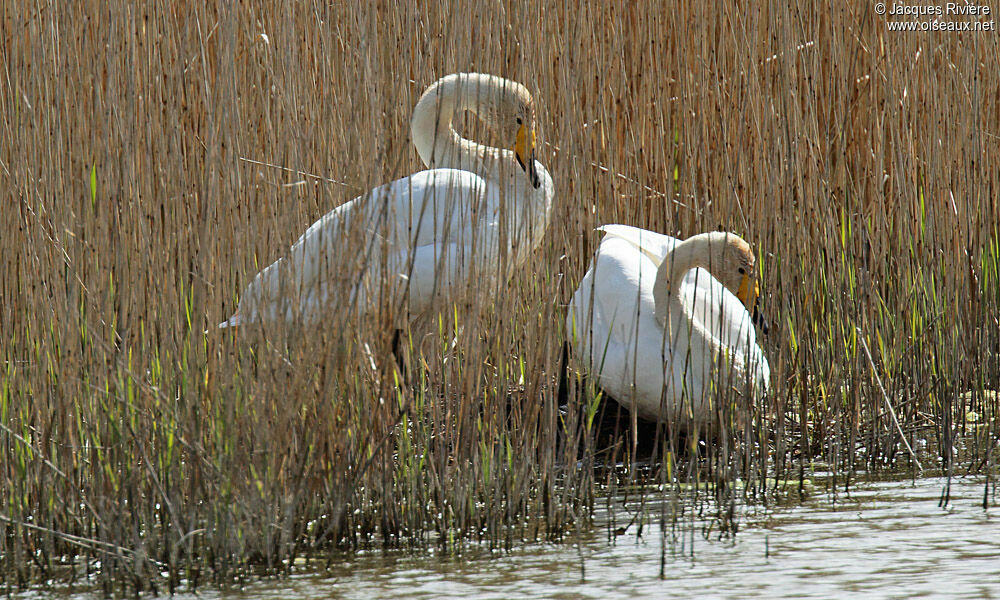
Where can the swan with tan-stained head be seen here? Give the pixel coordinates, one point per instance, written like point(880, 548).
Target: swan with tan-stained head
point(424, 240)
point(660, 323)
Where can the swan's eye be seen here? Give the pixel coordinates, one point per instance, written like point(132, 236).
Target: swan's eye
point(742, 271)
point(519, 120)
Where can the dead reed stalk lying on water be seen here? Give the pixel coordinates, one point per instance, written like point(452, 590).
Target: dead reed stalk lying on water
point(152, 159)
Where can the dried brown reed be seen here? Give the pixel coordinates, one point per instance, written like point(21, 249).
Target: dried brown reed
point(154, 157)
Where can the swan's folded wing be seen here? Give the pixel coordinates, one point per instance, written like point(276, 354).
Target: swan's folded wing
point(442, 206)
point(438, 272)
point(614, 330)
point(439, 206)
point(614, 295)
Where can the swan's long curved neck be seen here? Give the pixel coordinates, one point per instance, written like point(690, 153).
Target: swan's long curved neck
point(690, 254)
point(431, 127)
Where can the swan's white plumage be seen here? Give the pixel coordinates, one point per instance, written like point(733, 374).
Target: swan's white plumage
point(662, 375)
point(425, 238)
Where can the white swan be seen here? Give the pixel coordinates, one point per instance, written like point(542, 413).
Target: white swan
point(469, 220)
point(658, 331)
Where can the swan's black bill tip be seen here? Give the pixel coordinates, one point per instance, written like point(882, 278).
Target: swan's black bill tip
point(759, 320)
point(536, 181)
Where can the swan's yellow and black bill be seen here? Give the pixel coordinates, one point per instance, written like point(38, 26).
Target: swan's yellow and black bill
point(749, 297)
point(524, 150)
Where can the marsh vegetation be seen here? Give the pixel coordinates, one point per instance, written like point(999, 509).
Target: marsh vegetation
point(153, 158)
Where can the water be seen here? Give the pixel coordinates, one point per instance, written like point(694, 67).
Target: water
point(883, 540)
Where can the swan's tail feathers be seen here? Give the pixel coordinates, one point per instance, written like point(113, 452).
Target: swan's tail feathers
point(653, 245)
point(623, 231)
point(233, 321)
